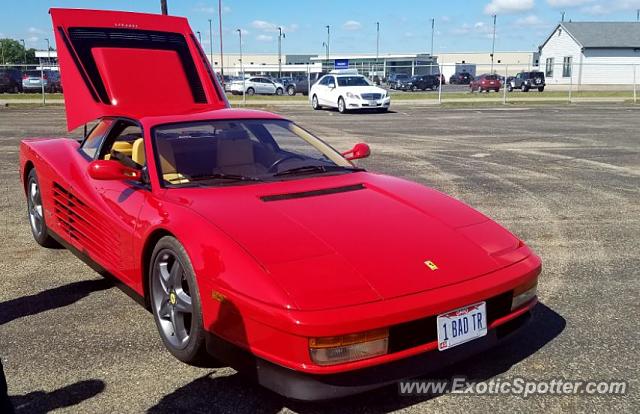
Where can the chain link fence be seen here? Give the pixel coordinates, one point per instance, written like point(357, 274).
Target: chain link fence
point(560, 81)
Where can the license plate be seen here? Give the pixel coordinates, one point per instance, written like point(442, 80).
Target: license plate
point(34, 80)
point(372, 103)
point(461, 325)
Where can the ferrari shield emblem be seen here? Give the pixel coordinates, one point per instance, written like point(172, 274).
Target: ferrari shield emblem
point(431, 265)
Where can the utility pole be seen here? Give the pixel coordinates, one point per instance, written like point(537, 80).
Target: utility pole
point(48, 52)
point(211, 43)
point(220, 27)
point(280, 36)
point(163, 7)
point(24, 53)
point(199, 36)
point(638, 15)
point(244, 88)
point(562, 17)
point(328, 40)
point(377, 46)
point(433, 25)
point(493, 42)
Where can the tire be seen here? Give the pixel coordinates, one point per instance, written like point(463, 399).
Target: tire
point(414, 88)
point(291, 91)
point(35, 212)
point(509, 87)
point(541, 89)
point(524, 88)
point(314, 103)
point(251, 91)
point(175, 302)
point(279, 92)
point(342, 107)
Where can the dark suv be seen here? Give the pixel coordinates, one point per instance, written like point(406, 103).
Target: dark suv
point(462, 78)
point(397, 78)
point(301, 85)
point(419, 82)
point(526, 80)
point(10, 80)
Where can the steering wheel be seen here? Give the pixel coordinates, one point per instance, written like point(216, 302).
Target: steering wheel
point(279, 161)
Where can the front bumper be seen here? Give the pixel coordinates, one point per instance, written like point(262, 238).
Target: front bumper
point(312, 387)
point(354, 103)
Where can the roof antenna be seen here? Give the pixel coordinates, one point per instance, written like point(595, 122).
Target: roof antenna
point(562, 17)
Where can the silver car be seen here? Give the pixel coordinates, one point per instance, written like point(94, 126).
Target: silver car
point(257, 85)
point(33, 80)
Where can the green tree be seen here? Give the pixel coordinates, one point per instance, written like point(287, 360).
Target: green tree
point(12, 51)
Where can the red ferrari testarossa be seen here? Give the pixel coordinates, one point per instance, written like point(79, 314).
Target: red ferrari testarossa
point(250, 239)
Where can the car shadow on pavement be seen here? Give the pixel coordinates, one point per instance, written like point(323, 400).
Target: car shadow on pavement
point(50, 299)
point(239, 394)
point(38, 402)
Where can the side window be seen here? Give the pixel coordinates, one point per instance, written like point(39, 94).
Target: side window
point(92, 143)
point(122, 144)
point(330, 80)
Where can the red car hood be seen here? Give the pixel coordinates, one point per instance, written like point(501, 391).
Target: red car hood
point(355, 238)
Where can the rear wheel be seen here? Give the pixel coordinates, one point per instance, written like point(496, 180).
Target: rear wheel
point(35, 210)
point(251, 91)
point(291, 91)
point(509, 88)
point(175, 302)
point(342, 107)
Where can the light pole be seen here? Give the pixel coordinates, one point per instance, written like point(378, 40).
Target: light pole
point(328, 40)
point(377, 45)
point(24, 53)
point(48, 52)
point(562, 20)
point(163, 7)
point(244, 89)
point(280, 36)
point(220, 27)
point(326, 51)
point(199, 36)
point(211, 43)
point(493, 42)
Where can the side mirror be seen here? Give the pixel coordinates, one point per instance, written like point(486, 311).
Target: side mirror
point(360, 150)
point(331, 85)
point(112, 170)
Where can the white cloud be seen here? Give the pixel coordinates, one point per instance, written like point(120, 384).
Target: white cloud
point(602, 8)
point(35, 30)
point(529, 21)
point(32, 39)
point(445, 19)
point(508, 6)
point(269, 27)
point(351, 25)
point(226, 9)
point(567, 3)
point(264, 38)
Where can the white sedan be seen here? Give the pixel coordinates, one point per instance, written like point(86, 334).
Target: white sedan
point(346, 90)
point(256, 85)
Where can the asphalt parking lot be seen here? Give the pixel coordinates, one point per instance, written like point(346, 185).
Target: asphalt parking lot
point(566, 179)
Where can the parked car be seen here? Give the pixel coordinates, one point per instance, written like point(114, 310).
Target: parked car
point(485, 83)
point(32, 81)
point(256, 85)
point(462, 78)
point(253, 242)
point(419, 82)
point(396, 78)
point(302, 83)
point(347, 90)
point(10, 80)
point(527, 80)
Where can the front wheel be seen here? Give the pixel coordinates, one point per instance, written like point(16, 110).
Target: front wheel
point(251, 91)
point(342, 107)
point(314, 103)
point(279, 92)
point(541, 89)
point(524, 88)
point(509, 88)
point(291, 91)
point(175, 302)
point(35, 211)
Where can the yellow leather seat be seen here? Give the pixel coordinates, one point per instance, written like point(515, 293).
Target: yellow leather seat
point(137, 151)
point(168, 164)
point(124, 147)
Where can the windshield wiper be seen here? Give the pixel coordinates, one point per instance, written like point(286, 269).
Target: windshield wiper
point(310, 169)
point(222, 176)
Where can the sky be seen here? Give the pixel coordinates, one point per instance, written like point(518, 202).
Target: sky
point(405, 25)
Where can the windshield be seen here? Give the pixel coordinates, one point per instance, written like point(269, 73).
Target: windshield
point(353, 81)
point(236, 151)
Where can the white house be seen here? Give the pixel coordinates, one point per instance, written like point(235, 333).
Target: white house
point(592, 53)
